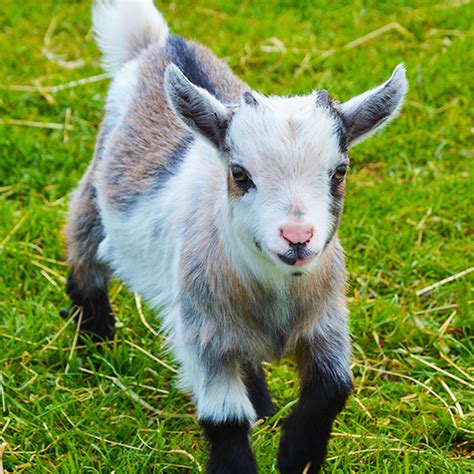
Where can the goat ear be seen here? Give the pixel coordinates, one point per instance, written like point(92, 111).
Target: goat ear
point(196, 107)
point(366, 113)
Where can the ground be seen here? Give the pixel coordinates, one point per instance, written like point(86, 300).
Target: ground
point(407, 225)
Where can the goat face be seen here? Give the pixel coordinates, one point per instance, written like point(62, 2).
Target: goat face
point(286, 161)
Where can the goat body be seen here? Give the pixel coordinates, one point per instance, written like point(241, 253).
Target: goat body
point(221, 206)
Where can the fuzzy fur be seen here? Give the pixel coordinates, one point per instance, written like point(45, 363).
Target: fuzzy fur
point(160, 209)
point(122, 28)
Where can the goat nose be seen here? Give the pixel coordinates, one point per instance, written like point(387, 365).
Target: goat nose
point(297, 233)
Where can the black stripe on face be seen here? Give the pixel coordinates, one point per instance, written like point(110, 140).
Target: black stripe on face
point(337, 191)
point(339, 125)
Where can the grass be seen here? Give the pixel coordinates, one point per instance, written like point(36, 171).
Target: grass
point(407, 225)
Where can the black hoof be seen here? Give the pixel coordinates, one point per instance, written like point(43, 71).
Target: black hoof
point(65, 312)
point(92, 311)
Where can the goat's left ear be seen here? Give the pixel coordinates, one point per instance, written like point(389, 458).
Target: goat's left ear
point(366, 113)
point(196, 107)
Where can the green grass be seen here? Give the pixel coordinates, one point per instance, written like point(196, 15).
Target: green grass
point(407, 224)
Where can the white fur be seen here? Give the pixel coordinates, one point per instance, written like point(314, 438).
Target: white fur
point(132, 238)
point(288, 145)
point(122, 26)
point(130, 248)
point(121, 93)
point(131, 243)
point(219, 396)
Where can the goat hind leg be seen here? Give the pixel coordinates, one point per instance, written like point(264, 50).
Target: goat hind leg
point(87, 284)
point(94, 313)
point(257, 389)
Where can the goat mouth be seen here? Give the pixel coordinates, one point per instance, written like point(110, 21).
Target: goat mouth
point(287, 260)
point(297, 258)
point(293, 261)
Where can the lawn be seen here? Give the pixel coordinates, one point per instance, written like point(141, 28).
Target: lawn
point(407, 225)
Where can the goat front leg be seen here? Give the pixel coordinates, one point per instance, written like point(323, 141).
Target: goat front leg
point(326, 382)
point(224, 409)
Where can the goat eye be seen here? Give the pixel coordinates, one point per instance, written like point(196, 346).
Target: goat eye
point(339, 173)
point(241, 177)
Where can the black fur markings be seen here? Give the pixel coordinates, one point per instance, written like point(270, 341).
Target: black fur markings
point(182, 54)
point(323, 98)
point(288, 260)
point(257, 390)
point(325, 101)
point(230, 451)
point(89, 222)
point(296, 252)
point(195, 109)
point(161, 176)
point(97, 318)
point(367, 112)
point(371, 113)
point(250, 99)
point(173, 162)
point(307, 430)
point(337, 192)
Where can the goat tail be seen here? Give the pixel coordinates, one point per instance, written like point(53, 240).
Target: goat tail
point(122, 28)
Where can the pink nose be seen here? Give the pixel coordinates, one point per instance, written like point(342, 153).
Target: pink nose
point(297, 233)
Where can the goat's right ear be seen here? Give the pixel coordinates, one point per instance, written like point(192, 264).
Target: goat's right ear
point(196, 107)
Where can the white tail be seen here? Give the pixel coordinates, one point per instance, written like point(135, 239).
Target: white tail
point(124, 27)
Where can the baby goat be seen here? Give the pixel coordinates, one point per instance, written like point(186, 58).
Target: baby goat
point(221, 206)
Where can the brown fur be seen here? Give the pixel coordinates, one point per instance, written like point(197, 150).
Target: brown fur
point(232, 189)
point(83, 230)
point(137, 152)
point(151, 132)
point(139, 149)
point(230, 86)
point(232, 313)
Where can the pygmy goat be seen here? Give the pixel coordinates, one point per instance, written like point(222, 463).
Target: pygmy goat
point(221, 207)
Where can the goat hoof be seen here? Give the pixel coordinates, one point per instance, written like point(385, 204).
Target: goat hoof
point(65, 312)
